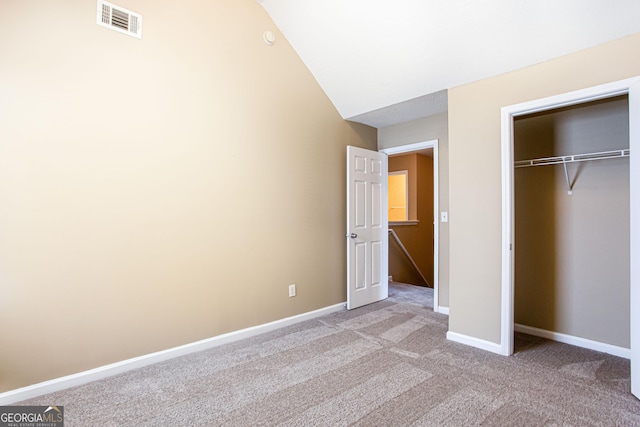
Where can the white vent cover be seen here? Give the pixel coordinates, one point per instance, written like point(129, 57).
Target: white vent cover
point(119, 19)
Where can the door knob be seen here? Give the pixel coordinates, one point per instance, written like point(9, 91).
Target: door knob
point(353, 235)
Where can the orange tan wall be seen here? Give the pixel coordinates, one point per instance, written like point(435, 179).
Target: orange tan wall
point(475, 171)
point(400, 268)
point(417, 238)
point(425, 215)
point(154, 192)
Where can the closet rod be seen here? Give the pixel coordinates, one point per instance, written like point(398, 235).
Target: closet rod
point(572, 158)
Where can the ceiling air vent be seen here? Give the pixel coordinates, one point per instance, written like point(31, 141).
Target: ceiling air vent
point(119, 19)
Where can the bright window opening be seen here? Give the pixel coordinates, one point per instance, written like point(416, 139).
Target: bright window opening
point(398, 196)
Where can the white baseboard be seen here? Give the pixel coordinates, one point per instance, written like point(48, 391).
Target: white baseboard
point(101, 372)
point(475, 342)
point(577, 341)
point(442, 310)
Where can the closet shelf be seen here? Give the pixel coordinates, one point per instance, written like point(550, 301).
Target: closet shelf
point(563, 160)
point(543, 161)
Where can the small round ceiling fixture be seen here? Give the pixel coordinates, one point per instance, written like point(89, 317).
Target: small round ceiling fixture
point(269, 37)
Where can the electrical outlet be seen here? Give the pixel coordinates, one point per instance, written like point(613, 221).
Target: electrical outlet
point(292, 290)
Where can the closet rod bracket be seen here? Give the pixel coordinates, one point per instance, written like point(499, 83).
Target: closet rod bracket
point(566, 175)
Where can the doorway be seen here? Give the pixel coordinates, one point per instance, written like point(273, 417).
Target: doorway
point(630, 87)
point(411, 222)
point(432, 148)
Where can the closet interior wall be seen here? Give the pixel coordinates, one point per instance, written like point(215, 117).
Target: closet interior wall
point(572, 251)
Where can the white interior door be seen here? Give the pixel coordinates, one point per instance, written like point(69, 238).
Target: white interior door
point(367, 227)
point(634, 196)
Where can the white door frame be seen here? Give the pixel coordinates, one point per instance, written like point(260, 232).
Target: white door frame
point(630, 87)
point(411, 148)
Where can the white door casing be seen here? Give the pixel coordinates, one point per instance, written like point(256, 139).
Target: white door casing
point(367, 227)
point(632, 88)
point(634, 197)
point(414, 148)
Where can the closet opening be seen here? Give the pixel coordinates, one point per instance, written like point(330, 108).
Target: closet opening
point(571, 223)
point(579, 178)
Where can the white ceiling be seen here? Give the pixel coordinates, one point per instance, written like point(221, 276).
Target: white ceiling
point(383, 62)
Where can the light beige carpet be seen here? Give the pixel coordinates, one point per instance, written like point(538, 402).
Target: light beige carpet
point(386, 364)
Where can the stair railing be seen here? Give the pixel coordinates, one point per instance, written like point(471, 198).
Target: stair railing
point(393, 234)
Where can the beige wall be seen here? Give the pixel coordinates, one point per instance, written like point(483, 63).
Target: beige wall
point(572, 251)
point(475, 171)
point(160, 191)
point(427, 129)
point(417, 238)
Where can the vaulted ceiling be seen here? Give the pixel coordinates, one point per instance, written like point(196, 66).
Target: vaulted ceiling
point(383, 62)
